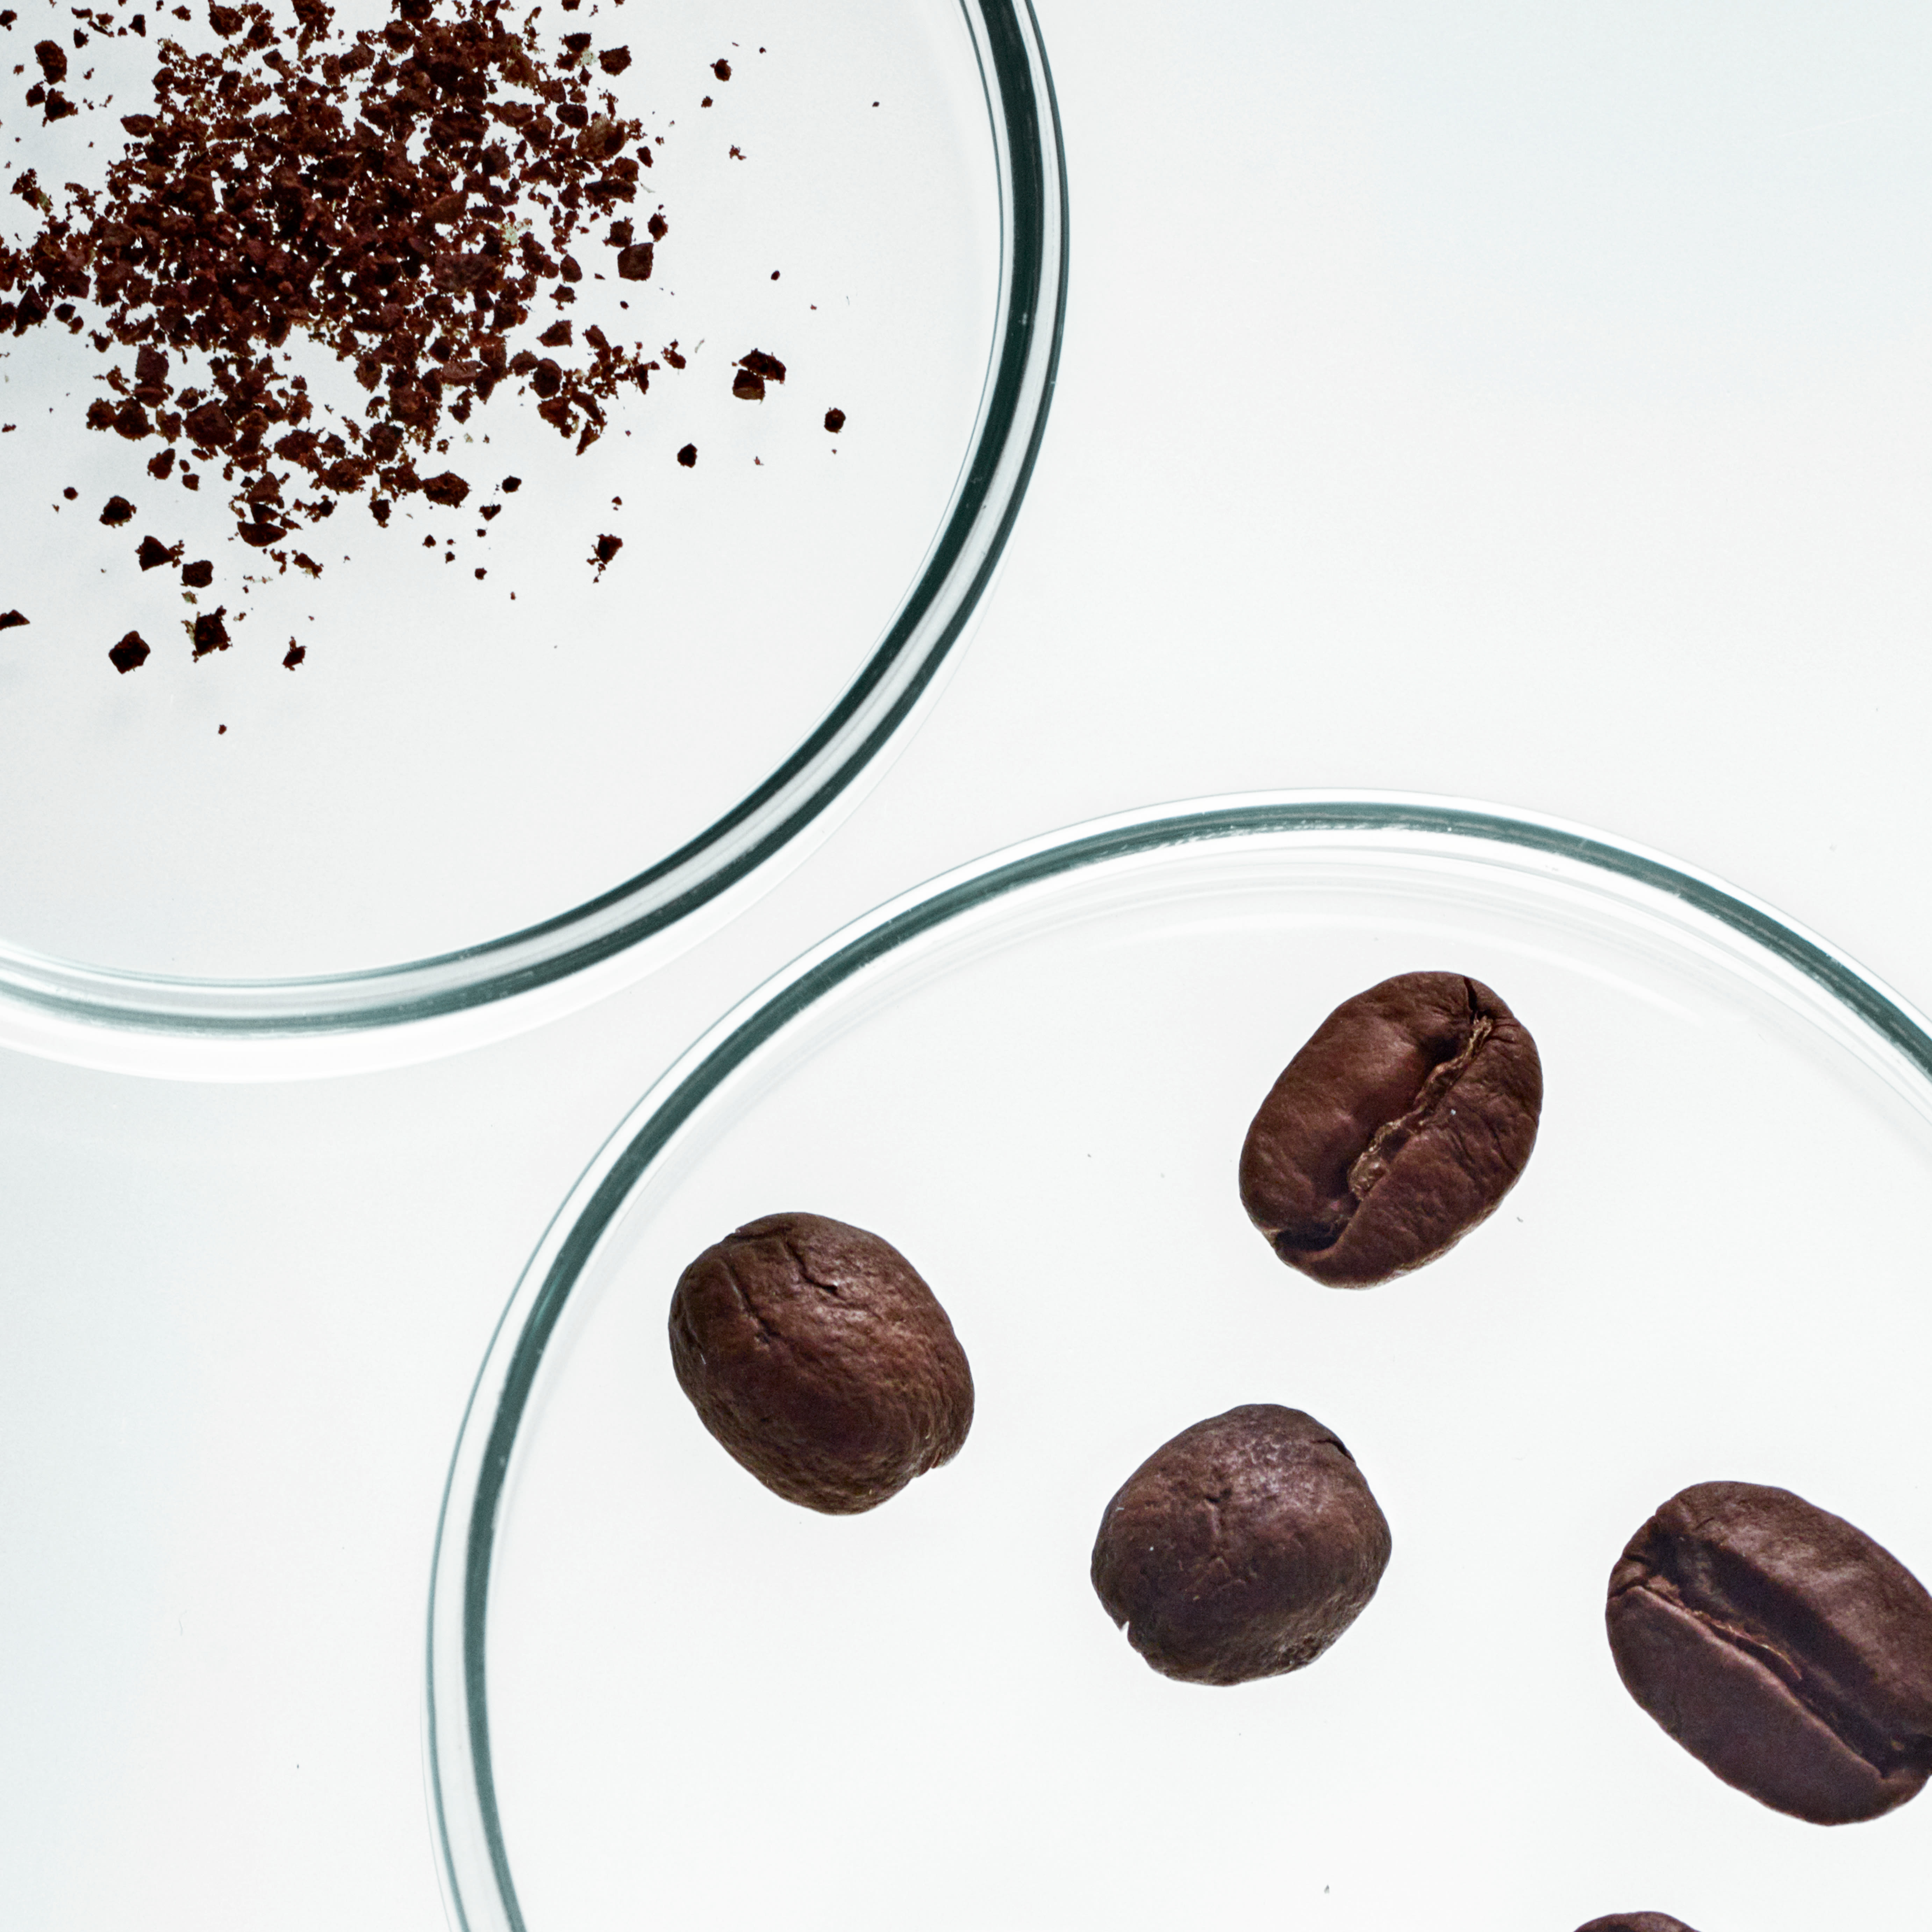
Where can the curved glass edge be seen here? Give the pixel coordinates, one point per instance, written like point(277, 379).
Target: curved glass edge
point(471, 1855)
point(1030, 161)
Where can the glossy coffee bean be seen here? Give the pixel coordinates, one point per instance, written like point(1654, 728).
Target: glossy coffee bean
point(1780, 1645)
point(1635, 1921)
point(1400, 1124)
point(814, 1353)
point(1242, 1549)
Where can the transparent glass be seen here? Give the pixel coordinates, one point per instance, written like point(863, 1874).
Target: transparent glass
point(656, 1693)
point(459, 799)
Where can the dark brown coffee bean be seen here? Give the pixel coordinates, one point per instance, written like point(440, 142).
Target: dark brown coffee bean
point(1635, 1921)
point(814, 1353)
point(1782, 1647)
point(1398, 1127)
point(1242, 1549)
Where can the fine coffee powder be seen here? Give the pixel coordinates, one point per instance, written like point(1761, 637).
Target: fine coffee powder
point(1780, 1645)
point(814, 1353)
point(1400, 1124)
point(1242, 1549)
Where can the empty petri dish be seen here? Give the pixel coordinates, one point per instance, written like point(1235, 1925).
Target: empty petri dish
point(509, 755)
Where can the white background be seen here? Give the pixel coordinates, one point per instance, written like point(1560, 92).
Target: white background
point(1528, 404)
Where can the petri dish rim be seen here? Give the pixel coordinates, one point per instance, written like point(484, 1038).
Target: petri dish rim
point(70, 1009)
point(1869, 1020)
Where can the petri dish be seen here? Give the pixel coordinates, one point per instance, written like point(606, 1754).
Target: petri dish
point(654, 1690)
point(500, 776)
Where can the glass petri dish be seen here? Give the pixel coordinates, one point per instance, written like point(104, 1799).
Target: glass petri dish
point(655, 1689)
point(460, 799)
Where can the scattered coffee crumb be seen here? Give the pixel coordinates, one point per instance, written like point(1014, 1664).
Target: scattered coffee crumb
point(511, 485)
point(221, 730)
point(835, 421)
point(296, 653)
point(211, 634)
point(70, 493)
point(706, 102)
point(754, 371)
point(448, 489)
point(10, 620)
point(602, 553)
point(490, 510)
point(130, 654)
point(402, 196)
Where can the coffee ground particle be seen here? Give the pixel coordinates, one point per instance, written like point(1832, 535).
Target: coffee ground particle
point(153, 554)
point(688, 456)
point(448, 489)
point(130, 654)
point(198, 575)
point(211, 634)
point(116, 511)
point(10, 620)
point(604, 551)
point(296, 654)
point(835, 420)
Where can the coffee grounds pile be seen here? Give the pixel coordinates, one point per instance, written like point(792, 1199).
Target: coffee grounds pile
point(380, 193)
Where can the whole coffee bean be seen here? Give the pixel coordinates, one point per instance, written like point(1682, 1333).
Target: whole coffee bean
point(814, 1353)
point(1398, 1127)
point(1242, 1549)
point(1781, 1646)
point(1635, 1921)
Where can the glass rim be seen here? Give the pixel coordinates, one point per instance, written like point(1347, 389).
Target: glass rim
point(472, 1858)
point(54, 996)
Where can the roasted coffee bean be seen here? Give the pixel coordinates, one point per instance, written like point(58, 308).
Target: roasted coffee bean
point(1398, 1127)
point(814, 1353)
point(1242, 1549)
point(1780, 1645)
point(1635, 1921)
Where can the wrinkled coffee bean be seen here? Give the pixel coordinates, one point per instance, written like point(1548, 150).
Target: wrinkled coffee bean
point(1242, 1549)
point(1780, 1645)
point(814, 1353)
point(1635, 1921)
point(1395, 1130)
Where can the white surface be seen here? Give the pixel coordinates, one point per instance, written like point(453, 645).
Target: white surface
point(1538, 410)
